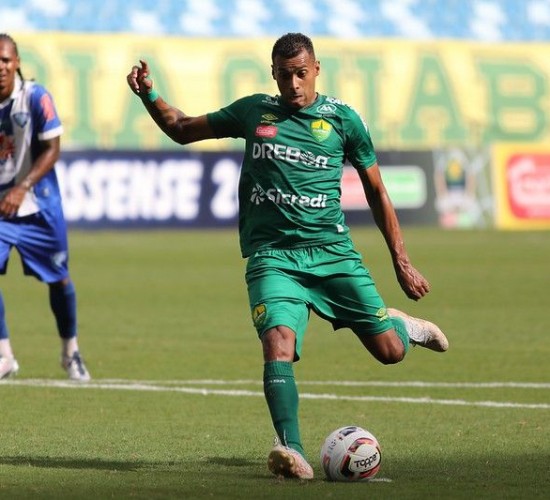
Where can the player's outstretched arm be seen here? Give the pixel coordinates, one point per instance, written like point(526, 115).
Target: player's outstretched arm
point(180, 127)
point(410, 279)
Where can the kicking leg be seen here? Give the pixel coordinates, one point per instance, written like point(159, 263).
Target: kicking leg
point(421, 332)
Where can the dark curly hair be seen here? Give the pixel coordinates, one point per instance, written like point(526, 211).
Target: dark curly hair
point(291, 44)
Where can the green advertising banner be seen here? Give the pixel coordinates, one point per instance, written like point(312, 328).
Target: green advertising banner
point(413, 95)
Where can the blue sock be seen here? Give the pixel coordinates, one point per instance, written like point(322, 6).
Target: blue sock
point(3, 327)
point(63, 305)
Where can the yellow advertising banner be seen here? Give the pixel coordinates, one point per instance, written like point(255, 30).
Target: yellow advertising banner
point(413, 95)
point(521, 178)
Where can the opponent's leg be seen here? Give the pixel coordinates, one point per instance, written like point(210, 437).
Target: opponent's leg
point(63, 305)
point(8, 364)
point(43, 246)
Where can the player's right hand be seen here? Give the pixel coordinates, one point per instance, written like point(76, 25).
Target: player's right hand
point(412, 282)
point(138, 79)
point(10, 204)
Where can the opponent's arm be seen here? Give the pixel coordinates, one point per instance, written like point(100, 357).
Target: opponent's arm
point(412, 282)
point(180, 127)
point(44, 162)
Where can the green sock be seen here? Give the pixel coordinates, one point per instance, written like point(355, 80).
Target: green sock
point(401, 330)
point(281, 395)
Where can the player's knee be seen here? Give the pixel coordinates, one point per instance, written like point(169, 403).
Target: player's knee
point(278, 344)
point(392, 355)
point(60, 284)
point(386, 347)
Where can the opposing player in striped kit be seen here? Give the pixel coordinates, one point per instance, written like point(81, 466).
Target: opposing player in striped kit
point(31, 215)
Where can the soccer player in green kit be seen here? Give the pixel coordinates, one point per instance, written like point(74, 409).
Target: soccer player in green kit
point(292, 228)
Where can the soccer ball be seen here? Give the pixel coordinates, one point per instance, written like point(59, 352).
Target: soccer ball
point(350, 454)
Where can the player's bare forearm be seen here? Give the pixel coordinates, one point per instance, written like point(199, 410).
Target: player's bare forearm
point(44, 162)
point(386, 220)
point(169, 119)
point(180, 127)
point(411, 281)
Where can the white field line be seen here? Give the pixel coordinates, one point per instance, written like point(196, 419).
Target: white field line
point(355, 383)
point(158, 386)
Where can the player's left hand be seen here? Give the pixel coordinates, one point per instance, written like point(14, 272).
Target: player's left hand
point(412, 282)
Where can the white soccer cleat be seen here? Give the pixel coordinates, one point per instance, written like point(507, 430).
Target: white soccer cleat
point(422, 332)
point(75, 368)
point(8, 367)
point(286, 462)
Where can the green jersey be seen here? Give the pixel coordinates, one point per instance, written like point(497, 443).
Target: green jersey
point(290, 182)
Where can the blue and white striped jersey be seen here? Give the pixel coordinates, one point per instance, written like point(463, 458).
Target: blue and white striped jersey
point(27, 117)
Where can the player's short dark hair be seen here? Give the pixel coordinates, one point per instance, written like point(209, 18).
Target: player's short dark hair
point(291, 44)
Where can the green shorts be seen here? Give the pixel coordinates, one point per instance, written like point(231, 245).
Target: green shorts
point(284, 285)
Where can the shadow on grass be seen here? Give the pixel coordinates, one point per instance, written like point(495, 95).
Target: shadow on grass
point(116, 465)
point(91, 464)
point(487, 476)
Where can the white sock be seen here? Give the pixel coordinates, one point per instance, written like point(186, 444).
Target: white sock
point(69, 347)
point(5, 348)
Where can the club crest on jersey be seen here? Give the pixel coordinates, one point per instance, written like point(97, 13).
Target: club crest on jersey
point(258, 315)
point(58, 258)
point(321, 129)
point(268, 131)
point(382, 314)
point(21, 118)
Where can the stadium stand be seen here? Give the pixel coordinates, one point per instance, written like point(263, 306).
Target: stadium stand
point(481, 20)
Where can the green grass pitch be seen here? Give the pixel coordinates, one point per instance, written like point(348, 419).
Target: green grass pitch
point(175, 408)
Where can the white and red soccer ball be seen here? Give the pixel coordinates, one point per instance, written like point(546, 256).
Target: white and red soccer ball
point(350, 453)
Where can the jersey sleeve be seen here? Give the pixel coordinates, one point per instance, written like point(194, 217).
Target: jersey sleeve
point(359, 148)
point(230, 120)
point(45, 118)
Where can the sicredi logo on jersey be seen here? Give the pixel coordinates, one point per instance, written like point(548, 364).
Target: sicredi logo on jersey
point(279, 198)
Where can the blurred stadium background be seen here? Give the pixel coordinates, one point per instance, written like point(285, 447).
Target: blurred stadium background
point(482, 20)
point(456, 94)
